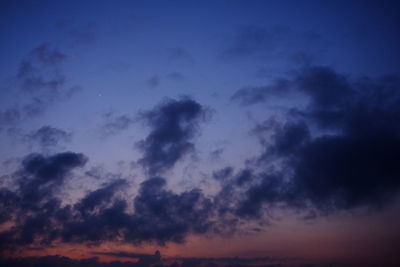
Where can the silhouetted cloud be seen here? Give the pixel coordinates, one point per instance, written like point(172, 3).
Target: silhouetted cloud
point(8, 204)
point(349, 159)
point(173, 124)
point(338, 152)
point(123, 254)
point(40, 218)
point(164, 216)
point(41, 175)
point(145, 260)
point(98, 198)
point(35, 210)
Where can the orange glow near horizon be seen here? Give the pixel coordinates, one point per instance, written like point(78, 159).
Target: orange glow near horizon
point(342, 239)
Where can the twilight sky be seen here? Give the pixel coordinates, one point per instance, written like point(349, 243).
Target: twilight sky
point(221, 133)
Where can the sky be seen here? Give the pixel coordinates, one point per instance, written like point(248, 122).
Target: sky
point(199, 133)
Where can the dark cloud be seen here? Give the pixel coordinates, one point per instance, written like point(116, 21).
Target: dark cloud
point(40, 218)
point(122, 254)
point(8, 203)
point(48, 136)
point(227, 262)
point(243, 177)
point(66, 262)
point(338, 152)
point(33, 208)
point(269, 191)
point(99, 198)
point(173, 125)
point(41, 175)
point(145, 260)
point(164, 216)
point(349, 158)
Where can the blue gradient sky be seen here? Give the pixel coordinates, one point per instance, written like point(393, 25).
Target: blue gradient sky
point(122, 59)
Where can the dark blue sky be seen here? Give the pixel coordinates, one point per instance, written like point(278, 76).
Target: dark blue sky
point(216, 119)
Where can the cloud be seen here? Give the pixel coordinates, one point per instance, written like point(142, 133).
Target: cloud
point(165, 216)
point(34, 209)
point(115, 124)
point(146, 260)
point(98, 198)
point(339, 152)
point(122, 254)
point(8, 203)
point(48, 136)
point(173, 125)
point(226, 262)
point(39, 175)
point(39, 82)
point(41, 70)
point(222, 174)
point(253, 95)
point(39, 217)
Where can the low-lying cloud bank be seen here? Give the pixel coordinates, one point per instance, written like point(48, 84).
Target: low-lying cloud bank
point(143, 260)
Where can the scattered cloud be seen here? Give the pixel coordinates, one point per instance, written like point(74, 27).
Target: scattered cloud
point(260, 94)
point(339, 152)
point(173, 125)
point(115, 124)
point(40, 81)
point(40, 218)
point(48, 136)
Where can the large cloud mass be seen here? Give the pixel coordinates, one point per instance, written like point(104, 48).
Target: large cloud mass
point(339, 152)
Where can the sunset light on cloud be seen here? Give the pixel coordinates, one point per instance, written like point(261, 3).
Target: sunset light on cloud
point(199, 133)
